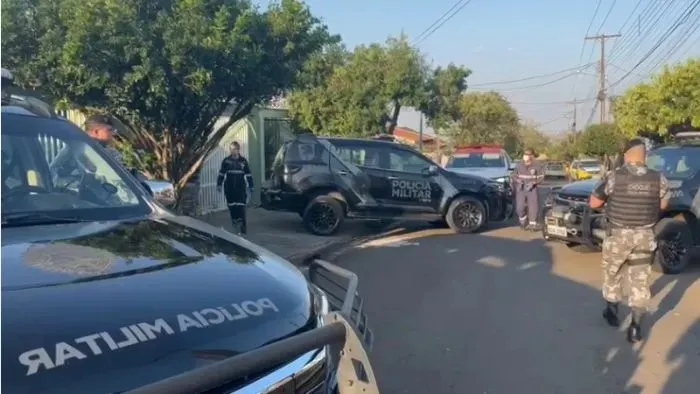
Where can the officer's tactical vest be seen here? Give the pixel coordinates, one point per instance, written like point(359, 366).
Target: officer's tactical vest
point(635, 199)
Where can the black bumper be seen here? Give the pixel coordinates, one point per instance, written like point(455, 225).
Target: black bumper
point(578, 224)
point(277, 200)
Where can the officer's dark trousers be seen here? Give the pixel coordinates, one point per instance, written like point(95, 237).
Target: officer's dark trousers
point(527, 205)
point(237, 211)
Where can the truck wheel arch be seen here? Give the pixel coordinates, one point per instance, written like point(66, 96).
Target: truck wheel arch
point(326, 190)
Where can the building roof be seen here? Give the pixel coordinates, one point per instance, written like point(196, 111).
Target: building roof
point(406, 133)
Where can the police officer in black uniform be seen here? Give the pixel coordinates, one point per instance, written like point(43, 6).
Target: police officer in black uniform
point(237, 183)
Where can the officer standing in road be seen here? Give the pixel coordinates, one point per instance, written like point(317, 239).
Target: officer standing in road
point(526, 178)
point(634, 196)
point(237, 183)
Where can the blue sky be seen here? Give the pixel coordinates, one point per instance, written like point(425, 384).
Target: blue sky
point(503, 40)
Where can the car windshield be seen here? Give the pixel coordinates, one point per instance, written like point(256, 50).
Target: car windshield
point(555, 166)
point(477, 160)
point(675, 162)
point(51, 169)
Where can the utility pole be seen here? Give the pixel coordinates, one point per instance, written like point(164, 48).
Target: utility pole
point(601, 89)
point(573, 114)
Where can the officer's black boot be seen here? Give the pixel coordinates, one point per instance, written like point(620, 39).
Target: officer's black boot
point(610, 314)
point(634, 331)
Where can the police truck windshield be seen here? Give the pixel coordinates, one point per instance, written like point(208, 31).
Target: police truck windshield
point(477, 160)
point(675, 162)
point(50, 169)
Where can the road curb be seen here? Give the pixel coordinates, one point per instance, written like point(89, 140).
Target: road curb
point(332, 249)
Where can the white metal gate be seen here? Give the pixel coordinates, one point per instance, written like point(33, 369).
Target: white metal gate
point(209, 199)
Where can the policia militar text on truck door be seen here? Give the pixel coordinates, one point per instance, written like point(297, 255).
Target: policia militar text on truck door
point(326, 180)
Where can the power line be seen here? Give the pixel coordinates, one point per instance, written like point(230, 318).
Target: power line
point(533, 86)
point(459, 7)
point(644, 36)
point(605, 19)
point(579, 101)
point(505, 82)
point(629, 35)
point(624, 24)
point(682, 38)
point(583, 45)
point(427, 29)
point(670, 31)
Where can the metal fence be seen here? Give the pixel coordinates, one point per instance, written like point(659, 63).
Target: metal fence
point(52, 146)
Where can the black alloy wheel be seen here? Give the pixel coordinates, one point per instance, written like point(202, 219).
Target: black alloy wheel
point(323, 215)
point(674, 246)
point(466, 215)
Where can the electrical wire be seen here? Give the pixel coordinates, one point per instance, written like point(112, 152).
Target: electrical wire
point(583, 45)
point(643, 38)
point(624, 24)
point(605, 19)
point(665, 37)
point(691, 46)
point(580, 101)
point(505, 82)
point(682, 39)
point(532, 86)
point(444, 14)
point(628, 37)
point(457, 8)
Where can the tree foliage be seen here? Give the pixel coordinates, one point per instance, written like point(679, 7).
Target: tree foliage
point(445, 87)
point(486, 118)
point(529, 136)
point(672, 98)
point(361, 93)
point(167, 68)
point(601, 140)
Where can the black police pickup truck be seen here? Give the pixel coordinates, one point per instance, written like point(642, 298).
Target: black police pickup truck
point(326, 180)
point(568, 218)
point(105, 291)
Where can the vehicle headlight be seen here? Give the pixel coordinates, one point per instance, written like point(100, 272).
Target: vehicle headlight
point(502, 179)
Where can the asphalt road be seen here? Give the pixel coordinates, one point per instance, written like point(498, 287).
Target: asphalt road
point(504, 312)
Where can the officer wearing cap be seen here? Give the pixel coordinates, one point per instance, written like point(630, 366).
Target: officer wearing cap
point(634, 197)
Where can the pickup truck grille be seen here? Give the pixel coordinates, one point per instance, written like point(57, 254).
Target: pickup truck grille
point(570, 199)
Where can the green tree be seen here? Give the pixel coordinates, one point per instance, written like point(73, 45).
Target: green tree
point(529, 136)
point(486, 118)
point(601, 140)
point(671, 99)
point(361, 94)
point(445, 87)
point(168, 68)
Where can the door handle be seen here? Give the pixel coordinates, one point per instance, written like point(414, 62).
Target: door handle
point(343, 172)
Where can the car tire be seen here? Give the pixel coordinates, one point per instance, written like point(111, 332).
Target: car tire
point(675, 243)
point(323, 215)
point(466, 215)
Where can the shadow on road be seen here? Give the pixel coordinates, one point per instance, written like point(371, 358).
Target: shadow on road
point(487, 314)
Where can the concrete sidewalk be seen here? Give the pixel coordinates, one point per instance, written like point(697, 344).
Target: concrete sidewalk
point(283, 233)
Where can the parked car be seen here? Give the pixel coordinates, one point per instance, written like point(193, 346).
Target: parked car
point(568, 217)
point(555, 169)
point(584, 169)
point(105, 291)
point(488, 161)
point(327, 180)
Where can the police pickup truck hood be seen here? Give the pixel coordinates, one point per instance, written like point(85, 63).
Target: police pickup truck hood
point(581, 188)
point(107, 307)
point(490, 173)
